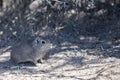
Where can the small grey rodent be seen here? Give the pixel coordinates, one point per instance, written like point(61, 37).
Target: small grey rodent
point(30, 51)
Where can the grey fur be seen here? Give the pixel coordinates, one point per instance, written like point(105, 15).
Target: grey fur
point(30, 51)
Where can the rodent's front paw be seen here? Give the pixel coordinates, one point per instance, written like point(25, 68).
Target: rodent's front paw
point(41, 61)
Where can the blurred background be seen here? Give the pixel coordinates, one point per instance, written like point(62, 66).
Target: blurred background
point(93, 25)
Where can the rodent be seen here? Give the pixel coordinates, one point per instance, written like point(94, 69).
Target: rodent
point(30, 51)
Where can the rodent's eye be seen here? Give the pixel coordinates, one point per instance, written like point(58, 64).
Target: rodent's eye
point(43, 42)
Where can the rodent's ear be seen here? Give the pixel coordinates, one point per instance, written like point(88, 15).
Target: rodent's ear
point(37, 41)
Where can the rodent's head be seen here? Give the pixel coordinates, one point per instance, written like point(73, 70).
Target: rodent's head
point(41, 44)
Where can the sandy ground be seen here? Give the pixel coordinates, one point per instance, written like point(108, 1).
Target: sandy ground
point(66, 65)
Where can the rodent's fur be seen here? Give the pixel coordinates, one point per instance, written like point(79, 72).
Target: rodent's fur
point(30, 51)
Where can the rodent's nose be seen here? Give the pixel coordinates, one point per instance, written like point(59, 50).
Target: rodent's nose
point(51, 46)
